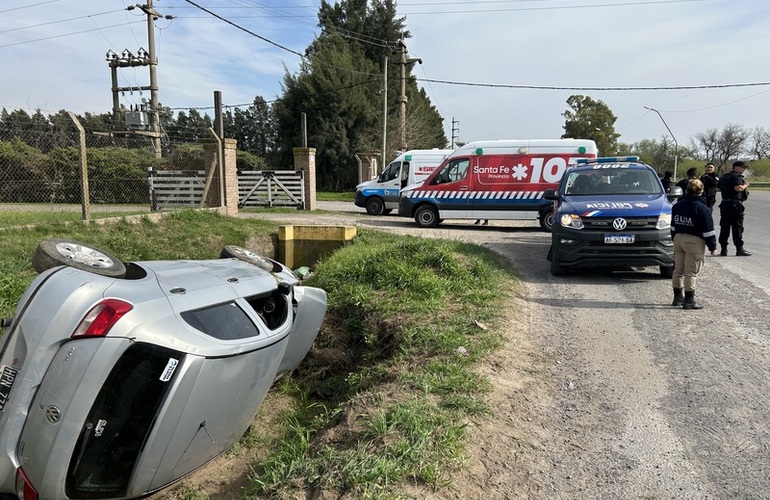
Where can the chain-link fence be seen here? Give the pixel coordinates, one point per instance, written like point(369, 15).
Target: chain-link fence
point(44, 167)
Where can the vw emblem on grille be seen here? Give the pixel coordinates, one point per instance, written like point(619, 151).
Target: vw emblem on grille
point(619, 224)
point(52, 414)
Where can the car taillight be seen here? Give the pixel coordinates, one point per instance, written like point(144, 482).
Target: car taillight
point(24, 489)
point(101, 318)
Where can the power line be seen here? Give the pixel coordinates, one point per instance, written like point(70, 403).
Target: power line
point(244, 29)
point(552, 87)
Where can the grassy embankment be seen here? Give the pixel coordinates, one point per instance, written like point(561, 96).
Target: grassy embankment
point(386, 394)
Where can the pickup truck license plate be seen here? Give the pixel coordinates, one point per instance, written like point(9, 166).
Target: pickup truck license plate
point(618, 239)
point(7, 377)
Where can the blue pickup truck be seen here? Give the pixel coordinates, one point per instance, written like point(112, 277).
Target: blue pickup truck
point(611, 212)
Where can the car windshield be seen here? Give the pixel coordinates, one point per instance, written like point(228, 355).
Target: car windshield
point(615, 181)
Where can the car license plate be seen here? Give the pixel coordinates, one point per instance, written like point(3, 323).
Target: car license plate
point(7, 378)
point(621, 239)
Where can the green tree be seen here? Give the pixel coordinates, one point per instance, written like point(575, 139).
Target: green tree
point(252, 128)
point(339, 89)
point(590, 119)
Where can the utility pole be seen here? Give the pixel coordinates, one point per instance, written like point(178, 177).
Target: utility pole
point(402, 99)
point(142, 58)
point(152, 14)
point(676, 144)
point(383, 157)
point(455, 132)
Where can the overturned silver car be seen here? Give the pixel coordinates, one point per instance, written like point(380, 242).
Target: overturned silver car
point(117, 379)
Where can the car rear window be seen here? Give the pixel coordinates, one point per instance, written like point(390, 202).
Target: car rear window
point(229, 322)
point(119, 422)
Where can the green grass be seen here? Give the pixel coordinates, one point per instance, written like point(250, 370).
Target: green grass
point(21, 215)
point(386, 394)
point(329, 196)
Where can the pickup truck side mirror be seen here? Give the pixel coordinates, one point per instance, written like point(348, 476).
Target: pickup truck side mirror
point(674, 193)
point(550, 194)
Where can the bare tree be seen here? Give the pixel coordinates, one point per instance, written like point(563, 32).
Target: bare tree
point(721, 147)
point(760, 143)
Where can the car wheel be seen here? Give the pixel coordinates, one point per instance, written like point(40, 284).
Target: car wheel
point(375, 206)
point(546, 219)
point(667, 271)
point(556, 268)
point(426, 216)
point(236, 252)
point(56, 252)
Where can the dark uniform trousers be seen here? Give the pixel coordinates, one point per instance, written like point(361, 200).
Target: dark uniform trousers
point(731, 220)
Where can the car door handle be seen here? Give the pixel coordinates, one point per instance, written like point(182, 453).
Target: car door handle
point(463, 188)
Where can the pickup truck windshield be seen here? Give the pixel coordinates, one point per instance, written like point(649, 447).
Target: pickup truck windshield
point(620, 181)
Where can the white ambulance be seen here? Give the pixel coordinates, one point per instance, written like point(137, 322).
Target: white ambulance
point(495, 180)
point(380, 195)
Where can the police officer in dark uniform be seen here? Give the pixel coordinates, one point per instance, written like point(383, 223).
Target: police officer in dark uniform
point(734, 189)
point(692, 229)
point(710, 179)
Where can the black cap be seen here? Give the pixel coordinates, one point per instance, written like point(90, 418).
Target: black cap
point(740, 164)
point(692, 171)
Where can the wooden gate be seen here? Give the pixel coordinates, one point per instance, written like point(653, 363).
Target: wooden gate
point(267, 188)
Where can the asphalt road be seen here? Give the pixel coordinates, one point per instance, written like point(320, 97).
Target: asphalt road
point(635, 399)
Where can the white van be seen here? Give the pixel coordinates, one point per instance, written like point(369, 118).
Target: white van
point(380, 195)
point(502, 180)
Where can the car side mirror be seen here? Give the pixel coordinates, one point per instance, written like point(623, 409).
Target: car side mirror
point(550, 194)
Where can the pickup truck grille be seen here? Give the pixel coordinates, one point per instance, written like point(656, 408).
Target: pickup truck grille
point(634, 223)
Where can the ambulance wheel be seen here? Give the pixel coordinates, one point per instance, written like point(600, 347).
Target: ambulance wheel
point(546, 219)
point(667, 272)
point(375, 206)
point(426, 216)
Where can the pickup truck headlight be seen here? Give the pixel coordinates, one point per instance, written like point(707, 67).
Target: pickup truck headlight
point(572, 221)
point(664, 221)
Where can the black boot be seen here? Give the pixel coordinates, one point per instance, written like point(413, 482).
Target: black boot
point(742, 252)
point(723, 253)
point(689, 301)
point(678, 297)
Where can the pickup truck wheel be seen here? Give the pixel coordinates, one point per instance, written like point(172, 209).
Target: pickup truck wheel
point(667, 271)
point(375, 206)
point(546, 219)
point(236, 252)
point(57, 252)
point(426, 216)
point(556, 268)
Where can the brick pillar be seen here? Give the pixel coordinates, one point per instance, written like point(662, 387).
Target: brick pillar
point(231, 178)
point(304, 159)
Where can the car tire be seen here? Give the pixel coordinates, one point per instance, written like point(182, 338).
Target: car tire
point(546, 219)
point(375, 206)
point(557, 269)
point(426, 216)
point(239, 253)
point(667, 272)
point(83, 256)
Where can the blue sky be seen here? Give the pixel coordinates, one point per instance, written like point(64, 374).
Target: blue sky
point(521, 59)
